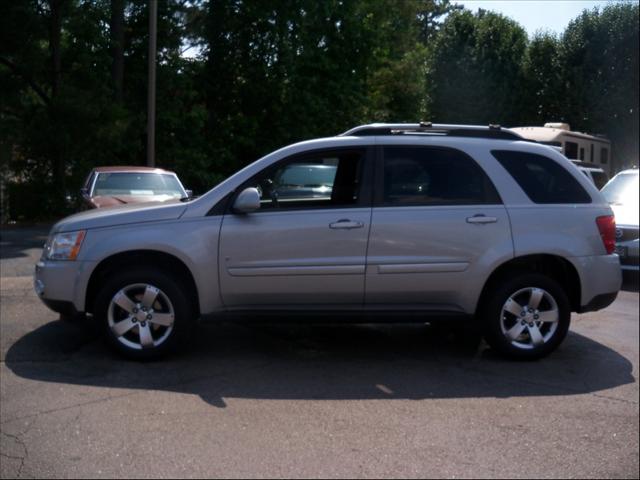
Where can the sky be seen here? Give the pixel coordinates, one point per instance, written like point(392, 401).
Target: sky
point(549, 15)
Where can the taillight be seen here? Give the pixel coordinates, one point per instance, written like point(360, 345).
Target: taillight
point(607, 227)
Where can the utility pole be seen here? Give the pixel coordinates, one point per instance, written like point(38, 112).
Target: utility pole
point(151, 99)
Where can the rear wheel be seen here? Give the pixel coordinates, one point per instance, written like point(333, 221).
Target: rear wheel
point(526, 317)
point(144, 313)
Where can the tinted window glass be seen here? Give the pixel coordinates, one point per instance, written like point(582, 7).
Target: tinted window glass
point(571, 150)
point(316, 181)
point(433, 176)
point(541, 178)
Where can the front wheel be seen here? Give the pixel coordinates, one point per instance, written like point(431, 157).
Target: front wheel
point(526, 317)
point(144, 313)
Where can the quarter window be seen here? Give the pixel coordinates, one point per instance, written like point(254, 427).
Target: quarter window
point(434, 176)
point(541, 178)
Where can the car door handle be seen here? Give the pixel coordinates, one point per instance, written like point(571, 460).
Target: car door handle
point(480, 218)
point(346, 224)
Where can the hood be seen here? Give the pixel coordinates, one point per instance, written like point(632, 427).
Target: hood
point(121, 215)
point(625, 214)
point(100, 201)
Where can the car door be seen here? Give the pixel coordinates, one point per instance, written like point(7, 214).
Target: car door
point(306, 244)
point(438, 225)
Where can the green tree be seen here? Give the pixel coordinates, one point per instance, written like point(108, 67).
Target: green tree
point(599, 57)
point(475, 69)
point(543, 94)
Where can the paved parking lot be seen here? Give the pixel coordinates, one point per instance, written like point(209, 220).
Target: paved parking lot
point(307, 401)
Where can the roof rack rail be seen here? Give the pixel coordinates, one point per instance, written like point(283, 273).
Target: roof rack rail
point(428, 128)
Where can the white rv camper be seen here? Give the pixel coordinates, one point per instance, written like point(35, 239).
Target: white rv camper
point(574, 145)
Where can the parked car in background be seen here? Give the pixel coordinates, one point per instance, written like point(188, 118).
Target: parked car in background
point(594, 173)
point(414, 221)
point(109, 186)
point(622, 194)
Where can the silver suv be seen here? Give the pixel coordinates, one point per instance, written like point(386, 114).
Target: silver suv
point(417, 221)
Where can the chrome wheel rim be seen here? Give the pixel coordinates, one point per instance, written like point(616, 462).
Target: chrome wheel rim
point(529, 318)
point(141, 316)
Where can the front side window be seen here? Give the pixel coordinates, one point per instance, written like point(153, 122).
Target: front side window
point(434, 176)
point(322, 180)
point(541, 178)
point(137, 183)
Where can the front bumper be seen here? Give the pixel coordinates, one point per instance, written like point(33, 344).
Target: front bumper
point(62, 285)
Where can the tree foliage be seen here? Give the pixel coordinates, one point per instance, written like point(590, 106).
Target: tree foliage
point(475, 69)
point(73, 80)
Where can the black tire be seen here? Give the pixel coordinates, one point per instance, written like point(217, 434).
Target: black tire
point(170, 289)
point(523, 347)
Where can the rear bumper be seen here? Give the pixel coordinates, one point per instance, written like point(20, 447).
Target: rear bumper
point(599, 302)
point(600, 280)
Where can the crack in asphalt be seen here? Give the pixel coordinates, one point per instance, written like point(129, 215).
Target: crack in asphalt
point(20, 442)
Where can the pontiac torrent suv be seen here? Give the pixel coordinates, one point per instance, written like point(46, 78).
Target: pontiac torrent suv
point(416, 221)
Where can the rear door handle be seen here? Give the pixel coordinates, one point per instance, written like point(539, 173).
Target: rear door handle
point(345, 224)
point(480, 218)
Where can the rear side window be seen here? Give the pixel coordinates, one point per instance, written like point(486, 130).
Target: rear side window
point(541, 178)
point(434, 176)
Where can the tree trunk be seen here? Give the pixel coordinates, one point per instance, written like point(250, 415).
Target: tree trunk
point(55, 35)
point(117, 47)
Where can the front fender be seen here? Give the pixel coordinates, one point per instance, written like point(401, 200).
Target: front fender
point(192, 241)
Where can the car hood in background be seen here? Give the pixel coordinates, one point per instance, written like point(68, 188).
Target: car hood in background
point(122, 215)
point(110, 200)
point(626, 214)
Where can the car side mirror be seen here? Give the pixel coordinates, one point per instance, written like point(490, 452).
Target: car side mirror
point(189, 193)
point(84, 192)
point(248, 201)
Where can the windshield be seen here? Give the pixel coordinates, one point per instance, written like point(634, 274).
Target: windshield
point(622, 189)
point(138, 183)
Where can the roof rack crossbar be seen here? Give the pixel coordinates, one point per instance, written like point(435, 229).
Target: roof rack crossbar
point(428, 128)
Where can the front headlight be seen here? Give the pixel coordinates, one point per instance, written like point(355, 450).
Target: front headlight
point(65, 246)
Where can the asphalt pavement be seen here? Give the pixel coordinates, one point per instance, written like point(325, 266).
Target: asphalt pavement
point(310, 401)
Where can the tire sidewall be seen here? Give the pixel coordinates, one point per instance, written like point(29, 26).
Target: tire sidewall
point(492, 311)
point(183, 311)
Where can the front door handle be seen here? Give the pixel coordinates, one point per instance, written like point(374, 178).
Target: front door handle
point(345, 224)
point(480, 218)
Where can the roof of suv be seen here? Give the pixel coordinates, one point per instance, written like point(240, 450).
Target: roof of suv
point(434, 129)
